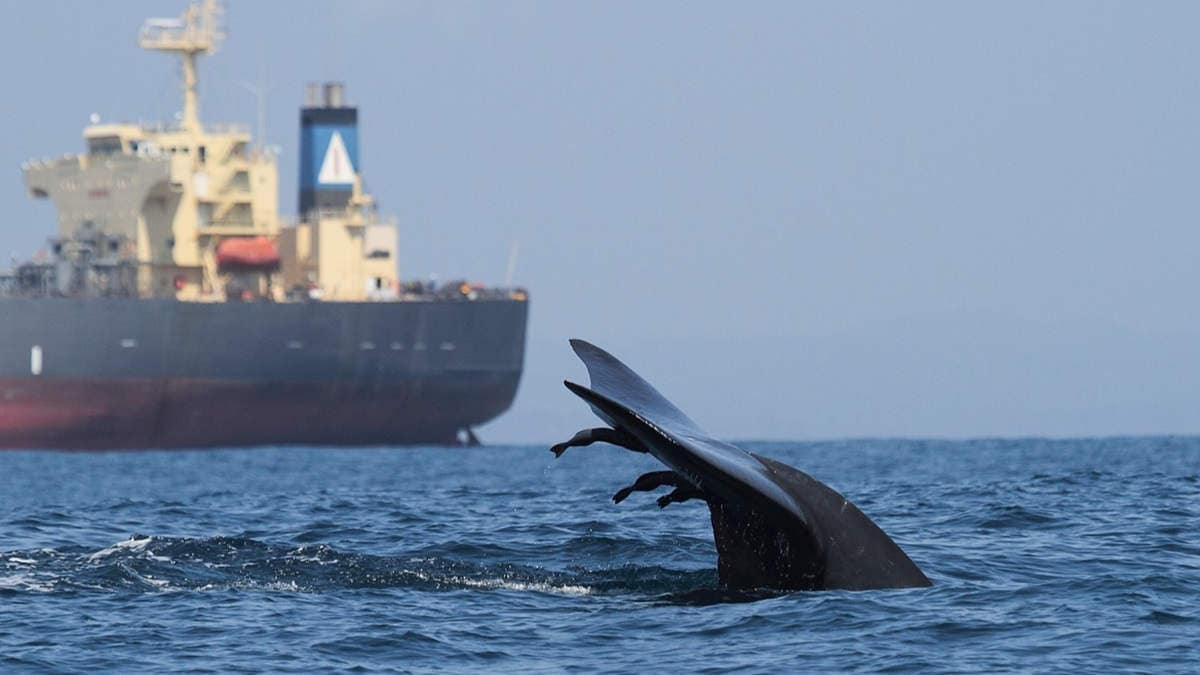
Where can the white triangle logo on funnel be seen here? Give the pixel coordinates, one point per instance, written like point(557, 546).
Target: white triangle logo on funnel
point(336, 168)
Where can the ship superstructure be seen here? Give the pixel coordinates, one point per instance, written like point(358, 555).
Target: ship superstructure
point(178, 308)
point(168, 200)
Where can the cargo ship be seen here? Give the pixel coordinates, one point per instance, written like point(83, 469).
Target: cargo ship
point(176, 308)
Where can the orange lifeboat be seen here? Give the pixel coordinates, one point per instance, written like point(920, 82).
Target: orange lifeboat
point(248, 253)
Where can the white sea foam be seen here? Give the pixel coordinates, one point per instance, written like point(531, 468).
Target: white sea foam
point(286, 586)
point(26, 582)
point(289, 586)
point(129, 545)
point(312, 559)
point(312, 554)
point(161, 584)
point(21, 561)
point(507, 584)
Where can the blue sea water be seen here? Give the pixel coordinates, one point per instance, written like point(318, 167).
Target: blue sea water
point(1066, 555)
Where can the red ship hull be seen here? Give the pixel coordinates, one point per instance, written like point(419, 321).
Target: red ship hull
point(121, 414)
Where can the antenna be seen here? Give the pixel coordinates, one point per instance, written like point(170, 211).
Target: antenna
point(259, 91)
point(512, 264)
point(197, 32)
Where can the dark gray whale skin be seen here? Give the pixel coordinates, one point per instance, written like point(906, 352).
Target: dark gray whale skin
point(774, 526)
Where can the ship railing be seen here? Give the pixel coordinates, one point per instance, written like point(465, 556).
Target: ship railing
point(160, 127)
point(421, 291)
point(459, 290)
point(227, 128)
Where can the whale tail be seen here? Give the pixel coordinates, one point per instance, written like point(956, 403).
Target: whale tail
point(774, 526)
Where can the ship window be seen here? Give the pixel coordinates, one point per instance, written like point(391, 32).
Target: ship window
point(240, 181)
point(202, 151)
point(379, 254)
point(104, 145)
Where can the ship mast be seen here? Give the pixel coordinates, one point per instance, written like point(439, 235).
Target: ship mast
point(196, 32)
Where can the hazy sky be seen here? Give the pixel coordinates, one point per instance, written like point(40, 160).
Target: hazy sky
point(798, 220)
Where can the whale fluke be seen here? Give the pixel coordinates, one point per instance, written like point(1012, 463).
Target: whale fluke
point(599, 435)
point(679, 495)
point(774, 526)
point(647, 482)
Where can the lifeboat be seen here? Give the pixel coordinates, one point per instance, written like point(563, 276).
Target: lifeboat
point(248, 253)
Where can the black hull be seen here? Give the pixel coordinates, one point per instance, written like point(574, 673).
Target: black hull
point(99, 374)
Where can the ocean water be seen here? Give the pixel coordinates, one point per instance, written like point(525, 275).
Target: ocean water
point(1066, 555)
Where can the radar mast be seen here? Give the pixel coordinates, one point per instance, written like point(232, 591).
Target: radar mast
point(196, 32)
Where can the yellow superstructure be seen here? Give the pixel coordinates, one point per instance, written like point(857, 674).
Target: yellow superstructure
point(341, 254)
point(165, 197)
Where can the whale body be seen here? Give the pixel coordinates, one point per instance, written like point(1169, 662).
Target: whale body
point(774, 526)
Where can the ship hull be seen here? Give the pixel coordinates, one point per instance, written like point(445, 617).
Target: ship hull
point(105, 374)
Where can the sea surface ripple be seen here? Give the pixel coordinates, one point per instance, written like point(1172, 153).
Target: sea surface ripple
point(1045, 555)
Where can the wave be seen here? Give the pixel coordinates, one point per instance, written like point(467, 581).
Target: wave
point(165, 564)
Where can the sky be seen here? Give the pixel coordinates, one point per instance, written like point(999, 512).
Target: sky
point(798, 220)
